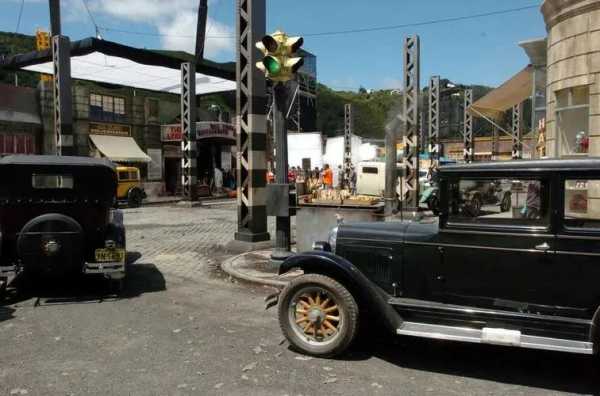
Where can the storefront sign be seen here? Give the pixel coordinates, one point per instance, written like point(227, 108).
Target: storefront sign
point(97, 128)
point(204, 130)
point(155, 166)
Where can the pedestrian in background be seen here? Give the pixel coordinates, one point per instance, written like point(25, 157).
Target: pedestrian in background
point(327, 177)
point(339, 183)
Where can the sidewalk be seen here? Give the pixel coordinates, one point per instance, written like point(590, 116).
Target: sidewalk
point(255, 267)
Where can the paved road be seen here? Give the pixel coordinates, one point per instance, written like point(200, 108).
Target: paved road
point(185, 329)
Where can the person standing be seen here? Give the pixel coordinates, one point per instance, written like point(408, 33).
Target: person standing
point(340, 177)
point(327, 177)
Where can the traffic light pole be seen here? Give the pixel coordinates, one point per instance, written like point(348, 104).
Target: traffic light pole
point(282, 223)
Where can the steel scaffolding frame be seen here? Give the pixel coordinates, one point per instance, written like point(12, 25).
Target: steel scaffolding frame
point(348, 131)
point(434, 119)
point(517, 146)
point(251, 106)
point(188, 128)
point(469, 150)
point(63, 96)
point(411, 112)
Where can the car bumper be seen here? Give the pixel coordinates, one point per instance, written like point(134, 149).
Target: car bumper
point(115, 270)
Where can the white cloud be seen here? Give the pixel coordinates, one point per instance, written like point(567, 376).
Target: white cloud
point(175, 20)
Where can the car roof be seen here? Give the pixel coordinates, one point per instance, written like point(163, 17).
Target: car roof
point(538, 165)
point(49, 160)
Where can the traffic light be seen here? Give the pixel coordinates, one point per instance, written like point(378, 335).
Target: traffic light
point(279, 63)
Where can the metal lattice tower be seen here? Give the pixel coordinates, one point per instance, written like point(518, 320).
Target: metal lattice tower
point(188, 129)
point(348, 131)
point(63, 96)
point(516, 132)
point(411, 112)
point(468, 151)
point(251, 105)
point(434, 118)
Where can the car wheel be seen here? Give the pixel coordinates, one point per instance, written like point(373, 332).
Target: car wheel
point(434, 205)
point(506, 203)
point(318, 315)
point(134, 198)
point(475, 206)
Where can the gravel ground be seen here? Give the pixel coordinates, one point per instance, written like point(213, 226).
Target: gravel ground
point(183, 328)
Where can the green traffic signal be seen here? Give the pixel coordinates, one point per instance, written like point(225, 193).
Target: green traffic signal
point(272, 65)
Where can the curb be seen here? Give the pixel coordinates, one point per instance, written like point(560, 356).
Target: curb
point(228, 268)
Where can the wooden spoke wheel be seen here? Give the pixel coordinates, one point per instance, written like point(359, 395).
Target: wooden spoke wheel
point(318, 315)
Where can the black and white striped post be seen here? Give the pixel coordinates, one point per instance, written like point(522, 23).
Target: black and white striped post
point(188, 128)
point(251, 104)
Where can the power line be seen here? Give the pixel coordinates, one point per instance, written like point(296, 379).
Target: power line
point(422, 23)
point(351, 31)
point(85, 4)
point(20, 15)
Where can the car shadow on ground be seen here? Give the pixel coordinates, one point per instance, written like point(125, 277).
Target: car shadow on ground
point(552, 371)
point(141, 278)
point(6, 313)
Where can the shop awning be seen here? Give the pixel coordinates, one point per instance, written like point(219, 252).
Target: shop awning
point(119, 148)
point(512, 92)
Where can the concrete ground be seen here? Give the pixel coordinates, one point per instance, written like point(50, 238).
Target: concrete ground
point(183, 328)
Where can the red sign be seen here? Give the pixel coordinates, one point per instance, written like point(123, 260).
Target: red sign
point(171, 133)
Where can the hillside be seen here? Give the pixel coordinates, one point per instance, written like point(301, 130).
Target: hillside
point(12, 44)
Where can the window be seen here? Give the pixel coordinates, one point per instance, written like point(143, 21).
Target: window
point(123, 175)
point(107, 108)
point(152, 108)
point(582, 203)
point(505, 202)
point(370, 170)
point(52, 181)
point(572, 120)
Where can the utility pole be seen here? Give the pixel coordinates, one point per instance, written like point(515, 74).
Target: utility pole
point(201, 29)
point(63, 96)
point(280, 65)
point(282, 223)
point(188, 129)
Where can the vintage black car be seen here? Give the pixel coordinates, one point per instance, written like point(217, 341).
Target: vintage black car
point(56, 217)
point(528, 276)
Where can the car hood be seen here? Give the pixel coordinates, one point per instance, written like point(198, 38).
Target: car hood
point(392, 231)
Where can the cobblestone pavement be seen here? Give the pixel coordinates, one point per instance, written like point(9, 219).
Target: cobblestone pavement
point(180, 330)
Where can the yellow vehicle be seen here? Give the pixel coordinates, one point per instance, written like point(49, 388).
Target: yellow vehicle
point(130, 189)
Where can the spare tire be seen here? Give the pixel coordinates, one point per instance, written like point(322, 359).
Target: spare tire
point(51, 243)
point(135, 197)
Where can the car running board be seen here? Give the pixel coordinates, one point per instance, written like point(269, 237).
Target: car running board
point(496, 336)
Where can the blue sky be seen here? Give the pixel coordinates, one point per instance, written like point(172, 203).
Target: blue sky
point(477, 51)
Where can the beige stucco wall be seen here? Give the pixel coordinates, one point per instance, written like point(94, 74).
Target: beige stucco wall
point(573, 60)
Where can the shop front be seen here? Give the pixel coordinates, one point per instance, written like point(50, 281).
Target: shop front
point(215, 145)
point(114, 142)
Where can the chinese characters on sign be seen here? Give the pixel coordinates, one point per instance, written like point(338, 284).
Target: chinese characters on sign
point(173, 133)
point(97, 128)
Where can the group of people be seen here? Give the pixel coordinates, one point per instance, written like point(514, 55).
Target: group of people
point(325, 177)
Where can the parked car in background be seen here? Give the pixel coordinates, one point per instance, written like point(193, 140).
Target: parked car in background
point(370, 178)
point(130, 190)
point(526, 277)
point(57, 218)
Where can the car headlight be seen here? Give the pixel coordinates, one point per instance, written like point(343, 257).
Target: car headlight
point(333, 238)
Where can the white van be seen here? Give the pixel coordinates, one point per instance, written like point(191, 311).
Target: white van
point(370, 178)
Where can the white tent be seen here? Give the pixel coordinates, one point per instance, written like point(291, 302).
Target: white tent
point(305, 145)
point(103, 68)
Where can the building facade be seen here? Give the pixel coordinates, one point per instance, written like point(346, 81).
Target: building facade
point(573, 77)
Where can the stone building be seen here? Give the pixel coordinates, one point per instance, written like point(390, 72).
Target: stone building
point(573, 85)
point(21, 129)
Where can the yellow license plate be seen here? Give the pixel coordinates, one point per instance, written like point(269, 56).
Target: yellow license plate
point(110, 255)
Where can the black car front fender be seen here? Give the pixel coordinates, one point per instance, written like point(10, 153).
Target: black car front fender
point(369, 295)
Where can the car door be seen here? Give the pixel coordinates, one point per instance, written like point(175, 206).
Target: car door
point(495, 258)
point(578, 245)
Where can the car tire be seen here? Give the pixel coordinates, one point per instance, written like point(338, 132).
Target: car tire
point(434, 205)
point(475, 206)
point(320, 304)
point(134, 198)
point(506, 202)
